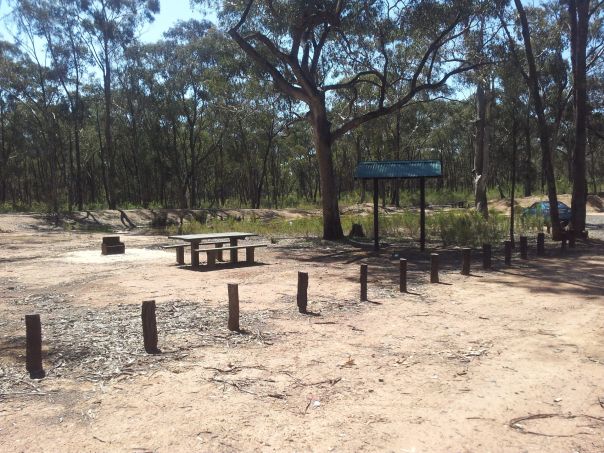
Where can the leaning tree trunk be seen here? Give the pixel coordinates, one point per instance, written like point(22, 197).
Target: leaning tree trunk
point(332, 227)
point(544, 134)
point(481, 148)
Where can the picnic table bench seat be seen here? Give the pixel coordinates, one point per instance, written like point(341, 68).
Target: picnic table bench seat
point(212, 253)
point(180, 249)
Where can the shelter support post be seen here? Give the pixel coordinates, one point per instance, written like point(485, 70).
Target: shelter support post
point(376, 235)
point(422, 214)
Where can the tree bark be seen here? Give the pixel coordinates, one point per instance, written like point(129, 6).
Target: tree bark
point(544, 136)
point(481, 147)
point(107, 130)
point(579, 18)
point(332, 227)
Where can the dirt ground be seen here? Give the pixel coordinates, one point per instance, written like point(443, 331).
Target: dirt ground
point(508, 360)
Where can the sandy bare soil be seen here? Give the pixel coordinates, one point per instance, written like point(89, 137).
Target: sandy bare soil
point(505, 360)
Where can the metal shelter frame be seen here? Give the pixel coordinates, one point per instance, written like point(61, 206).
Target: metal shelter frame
point(399, 169)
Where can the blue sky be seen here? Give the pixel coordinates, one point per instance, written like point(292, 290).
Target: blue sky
point(171, 11)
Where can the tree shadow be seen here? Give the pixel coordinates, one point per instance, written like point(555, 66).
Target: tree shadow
point(555, 266)
point(220, 266)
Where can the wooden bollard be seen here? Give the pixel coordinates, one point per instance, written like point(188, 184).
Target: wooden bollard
point(507, 245)
point(302, 298)
point(466, 258)
point(541, 244)
point(524, 247)
point(363, 282)
point(33, 347)
point(233, 307)
point(149, 327)
point(486, 256)
point(433, 267)
point(403, 275)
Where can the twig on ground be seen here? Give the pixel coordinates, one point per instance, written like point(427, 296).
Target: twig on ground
point(515, 423)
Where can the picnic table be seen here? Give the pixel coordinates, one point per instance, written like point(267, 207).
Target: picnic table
point(195, 240)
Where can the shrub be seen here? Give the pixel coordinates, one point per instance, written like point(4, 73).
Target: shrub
point(468, 227)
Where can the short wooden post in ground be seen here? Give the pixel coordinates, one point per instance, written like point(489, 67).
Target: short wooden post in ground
point(524, 247)
point(507, 245)
point(541, 244)
point(149, 327)
point(486, 256)
point(363, 282)
point(33, 346)
point(433, 267)
point(233, 307)
point(563, 245)
point(302, 298)
point(466, 257)
point(403, 275)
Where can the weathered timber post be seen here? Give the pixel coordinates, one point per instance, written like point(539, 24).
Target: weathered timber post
point(403, 275)
point(376, 222)
point(363, 282)
point(180, 255)
point(219, 256)
point(466, 257)
point(149, 327)
point(524, 247)
point(486, 256)
point(302, 298)
point(422, 214)
point(508, 252)
point(433, 267)
point(541, 244)
point(233, 307)
point(33, 347)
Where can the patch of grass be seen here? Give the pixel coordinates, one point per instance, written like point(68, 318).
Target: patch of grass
point(452, 228)
point(301, 227)
point(6, 208)
point(468, 227)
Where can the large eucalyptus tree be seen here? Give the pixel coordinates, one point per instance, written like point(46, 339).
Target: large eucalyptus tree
point(318, 51)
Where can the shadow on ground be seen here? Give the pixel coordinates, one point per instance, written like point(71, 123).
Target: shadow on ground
point(568, 271)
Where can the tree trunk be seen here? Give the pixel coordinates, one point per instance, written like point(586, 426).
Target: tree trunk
point(481, 147)
point(108, 138)
point(528, 163)
point(332, 227)
point(513, 190)
point(533, 83)
point(579, 18)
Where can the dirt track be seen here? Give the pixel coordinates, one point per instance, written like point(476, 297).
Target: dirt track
point(447, 367)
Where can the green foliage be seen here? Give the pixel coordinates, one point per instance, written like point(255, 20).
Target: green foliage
point(468, 227)
point(452, 227)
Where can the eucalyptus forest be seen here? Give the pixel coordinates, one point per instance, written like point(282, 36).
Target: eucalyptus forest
point(275, 103)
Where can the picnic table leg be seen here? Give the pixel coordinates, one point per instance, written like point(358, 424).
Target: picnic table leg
point(219, 253)
point(180, 255)
point(233, 243)
point(194, 254)
point(249, 254)
point(211, 259)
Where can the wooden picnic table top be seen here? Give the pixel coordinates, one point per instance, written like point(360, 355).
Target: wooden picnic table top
point(209, 236)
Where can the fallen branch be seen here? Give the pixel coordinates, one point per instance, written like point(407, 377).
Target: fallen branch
point(326, 381)
point(514, 423)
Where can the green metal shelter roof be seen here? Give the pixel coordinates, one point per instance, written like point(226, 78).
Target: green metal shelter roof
point(398, 169)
